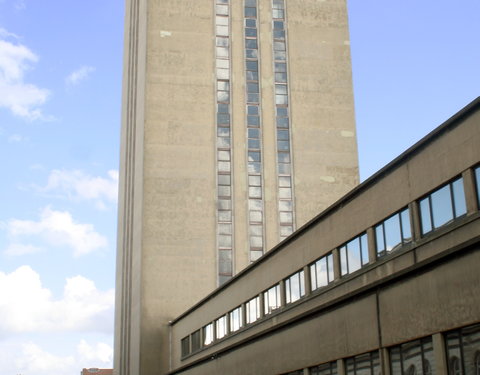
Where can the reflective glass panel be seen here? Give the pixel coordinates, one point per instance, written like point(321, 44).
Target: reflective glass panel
point(253, 309)
point(236, 319)
point(343, 260)
point(459, 197)
point(254, 181)
point(379, 239)
point(392, 232)
point(354, 260)
point(425, 215)
point(208, 334)
point(406, 229)
point(442, 211)
point(196, 342)
point(221, 327)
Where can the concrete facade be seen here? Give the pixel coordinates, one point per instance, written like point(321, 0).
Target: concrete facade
point(421, 293)
point(170, 230)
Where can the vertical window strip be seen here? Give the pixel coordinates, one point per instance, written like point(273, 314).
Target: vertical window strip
point(282, 120)
point(254, 132)
point(224, 141)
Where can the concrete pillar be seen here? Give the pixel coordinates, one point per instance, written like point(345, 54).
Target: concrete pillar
point(283, 299)
point(261, 305)
point(385, 358)
point(244, 314)
point(341, 370)
point(470, 191)
point(372, 245)
point(440, 355)
point(415, 221)
point(336, 264)
point(308, 280)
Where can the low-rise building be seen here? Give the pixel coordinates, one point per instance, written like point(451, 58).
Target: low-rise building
point(384, 281)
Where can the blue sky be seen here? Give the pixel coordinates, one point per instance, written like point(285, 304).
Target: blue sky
point(415, 63)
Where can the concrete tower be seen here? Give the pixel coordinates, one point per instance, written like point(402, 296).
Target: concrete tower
point(237, 127)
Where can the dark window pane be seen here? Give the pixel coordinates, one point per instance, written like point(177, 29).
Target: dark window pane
point(251, 12)
point(250, 32)
point(252, 110)
point(250, 23)
point(251, 53)
point(251, 44)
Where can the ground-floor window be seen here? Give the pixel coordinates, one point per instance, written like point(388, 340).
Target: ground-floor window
point(463, 350)
point(413, 358)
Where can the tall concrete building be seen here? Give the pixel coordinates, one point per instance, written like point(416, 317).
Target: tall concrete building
point(237, 128)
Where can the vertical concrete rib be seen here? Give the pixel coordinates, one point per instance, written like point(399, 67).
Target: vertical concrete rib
point(129, 187)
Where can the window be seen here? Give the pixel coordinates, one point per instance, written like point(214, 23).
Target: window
point(295, 287)
point(271, 299)
point(325, 369)
point(463, 350)
point(208, 334)
point(354, 254)
point(235, 319)
point(393, 232)
point(363, 364)
point(253, 310)
point(477, 178)
point(221, 327)
point(321, 272)
point(185, 346)
point(196, 341)
point(442, 206)
point(413, 358)
point(224, 190)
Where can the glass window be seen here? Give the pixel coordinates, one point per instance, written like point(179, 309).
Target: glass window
point(208, 334)
point(295, 287)
point(225, 262)
point(196, 341)
point(271, 299)
point(253, 309)
point(393, 233)
point(363, 364)
point(354, 254)
point(221, 327)
point(185, 346)
point(477, 178)
point(463, 350)
point(442, 206)
point(325, 369)
point(235, 319)
point(321, 272)
point(250, 12)
point(414, 357)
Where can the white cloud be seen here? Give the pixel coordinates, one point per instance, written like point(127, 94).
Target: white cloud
point(28, 357)
point(16, 249)
point(28, 307)
point(58, 228)
point(22, 99)
point(79, 75)
point(15, 138)
point(6, 34)
point(77, 185)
